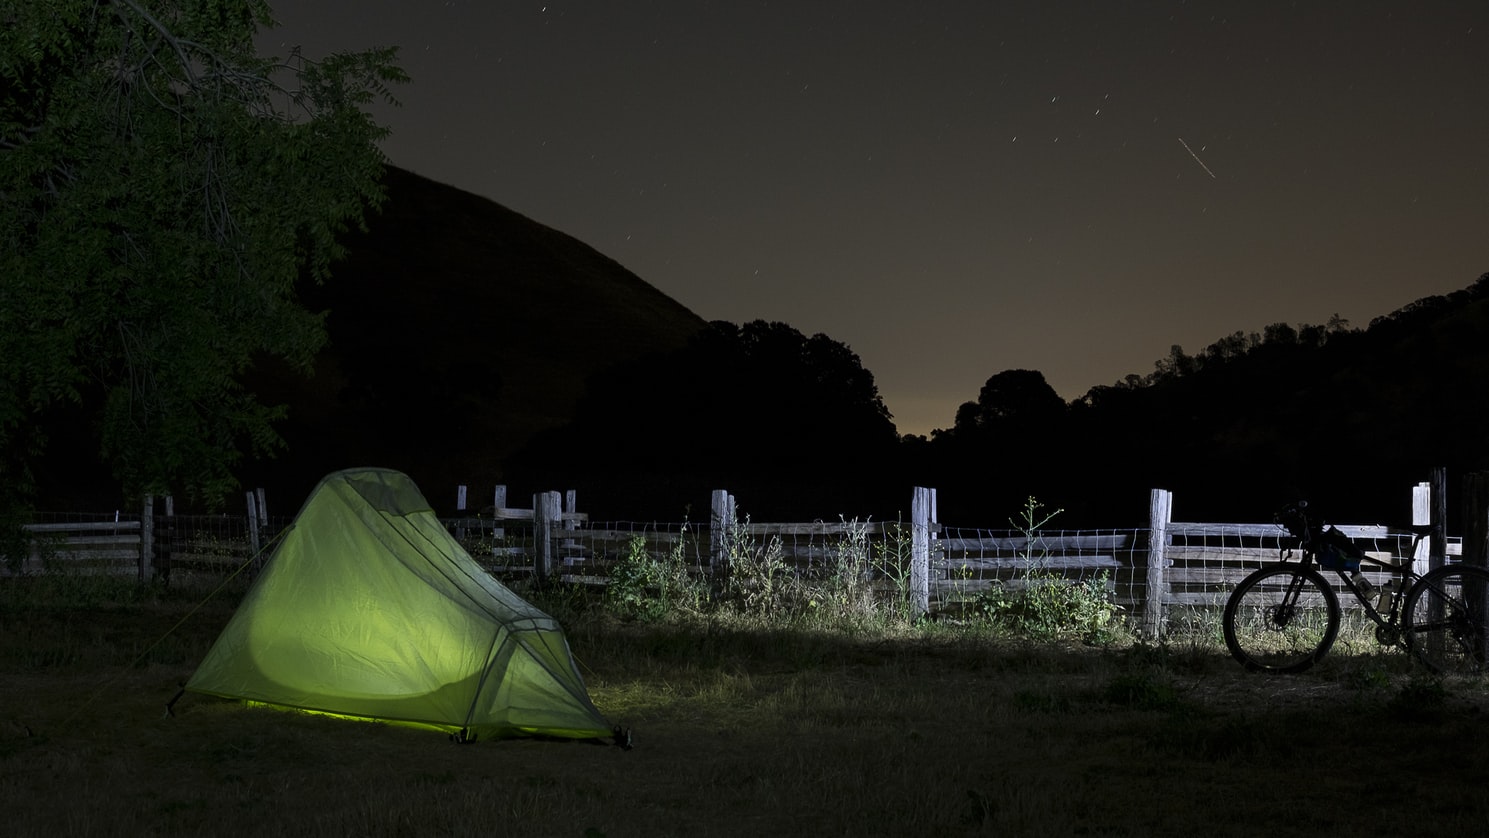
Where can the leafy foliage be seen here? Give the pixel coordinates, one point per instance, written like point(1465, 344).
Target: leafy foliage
point(162, 191)
point(1042, 604)
point(1047, 606)
point(647, 587)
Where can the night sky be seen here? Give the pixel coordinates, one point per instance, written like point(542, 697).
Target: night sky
point(954, 189)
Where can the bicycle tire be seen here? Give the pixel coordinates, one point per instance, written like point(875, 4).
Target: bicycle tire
point(1281, 618)
point(1444, 620)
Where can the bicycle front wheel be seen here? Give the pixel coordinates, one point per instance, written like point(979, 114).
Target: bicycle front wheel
point(1444, 619)
point(1281, 619)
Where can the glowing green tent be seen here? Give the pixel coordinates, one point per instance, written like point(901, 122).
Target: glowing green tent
point(368, 608)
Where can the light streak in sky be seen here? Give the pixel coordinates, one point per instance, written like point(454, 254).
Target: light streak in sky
point(1196, 158)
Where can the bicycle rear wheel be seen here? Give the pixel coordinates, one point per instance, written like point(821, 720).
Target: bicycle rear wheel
point(1444, 619)
point(1281, 619)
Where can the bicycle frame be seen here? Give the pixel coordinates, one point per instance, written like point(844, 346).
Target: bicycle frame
point(1388, 627)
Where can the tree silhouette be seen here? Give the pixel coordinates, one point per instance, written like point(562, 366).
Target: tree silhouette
point(1346, 415)
point(794, 425)
point(1012, 396)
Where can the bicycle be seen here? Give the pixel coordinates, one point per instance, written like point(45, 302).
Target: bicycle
point(1285, 616)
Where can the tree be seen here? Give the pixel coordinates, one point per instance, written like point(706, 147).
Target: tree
point(1019, 396)
point(163, 189)
point(758, 406)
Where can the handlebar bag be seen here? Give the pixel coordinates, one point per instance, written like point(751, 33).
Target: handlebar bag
point(1337, 552)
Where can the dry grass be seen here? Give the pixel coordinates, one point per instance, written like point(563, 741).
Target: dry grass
point(744, 730)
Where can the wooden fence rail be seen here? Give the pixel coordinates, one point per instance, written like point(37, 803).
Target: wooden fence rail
point(1167, 568)
point(86, 547)
point(1154, 573)
point(148, 545)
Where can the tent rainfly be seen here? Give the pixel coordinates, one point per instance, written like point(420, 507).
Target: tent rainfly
point(369, 609)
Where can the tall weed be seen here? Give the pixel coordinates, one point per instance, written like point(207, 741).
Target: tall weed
point(649, 587)
point(1044, 605)
point(759, 581)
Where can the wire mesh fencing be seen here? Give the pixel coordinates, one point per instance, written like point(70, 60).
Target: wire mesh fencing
point(1177, 579)
point(121, 543)
point(582, 552)
point(967, 561)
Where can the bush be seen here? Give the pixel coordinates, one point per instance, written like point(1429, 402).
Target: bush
point(1044, 605)
point(643, 586)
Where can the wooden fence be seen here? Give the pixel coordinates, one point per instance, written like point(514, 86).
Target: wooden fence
point(931, 565)
point(552, 540)
point(99, 546)
point(1192, 565)
point(149, 545)
point(1159, 574)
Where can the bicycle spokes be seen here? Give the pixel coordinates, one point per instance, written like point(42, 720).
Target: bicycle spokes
point(1445, 623)
point(1281, 618)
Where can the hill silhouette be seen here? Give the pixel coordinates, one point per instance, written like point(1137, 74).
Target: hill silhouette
point(458, 329)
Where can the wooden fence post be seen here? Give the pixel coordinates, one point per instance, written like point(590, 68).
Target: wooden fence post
point(546, 513)
point(921, 504)
point(1160, 512)
point(722, 518)
point(147, 536)
point(1438, 556)
point(1421, 516)
point(165, 539)
point(253, 524)
point(460, 496)
point(569, 546)
point(935, 529)
point(498, 503)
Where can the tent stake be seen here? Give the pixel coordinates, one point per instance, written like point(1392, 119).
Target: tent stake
point(170, 706)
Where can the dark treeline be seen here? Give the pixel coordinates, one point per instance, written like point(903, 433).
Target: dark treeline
point(1347, 417)
point(471, 345)
point(792, 423)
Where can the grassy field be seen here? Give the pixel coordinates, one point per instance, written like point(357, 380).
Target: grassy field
point(741, 729)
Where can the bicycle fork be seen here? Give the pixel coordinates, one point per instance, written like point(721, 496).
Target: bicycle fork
point(1284, 611)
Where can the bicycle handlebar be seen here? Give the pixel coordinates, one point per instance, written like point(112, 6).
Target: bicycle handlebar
point(1299, 521)
point(1311, 531)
